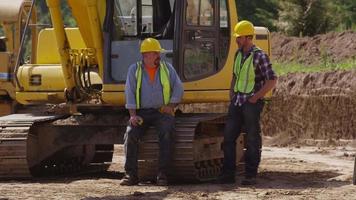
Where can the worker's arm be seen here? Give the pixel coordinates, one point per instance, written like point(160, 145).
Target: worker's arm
point(270, 77)
point(176, 91)
point(233, 80)
point(232, 85)
point(130, 91)
point(269, 85)
point(176, 85)
point(130, 88)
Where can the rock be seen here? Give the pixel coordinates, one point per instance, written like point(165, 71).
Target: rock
point(204, 195)
point(136, 193)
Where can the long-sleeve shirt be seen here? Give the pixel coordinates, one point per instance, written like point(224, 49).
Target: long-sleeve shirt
point(263, 72)
point(151, 92)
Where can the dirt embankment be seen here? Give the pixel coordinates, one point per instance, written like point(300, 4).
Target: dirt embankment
point(313, 105)
point(331, 47)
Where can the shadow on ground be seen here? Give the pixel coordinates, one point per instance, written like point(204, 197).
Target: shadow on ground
point(293, 180)
point(67, 178)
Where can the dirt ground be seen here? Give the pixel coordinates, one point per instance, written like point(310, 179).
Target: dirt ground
point(285, 173)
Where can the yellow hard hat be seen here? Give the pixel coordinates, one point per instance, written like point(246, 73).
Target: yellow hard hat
point(244, 28)
point(150, 45)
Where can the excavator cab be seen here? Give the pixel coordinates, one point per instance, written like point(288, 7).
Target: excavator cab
point(195, 35)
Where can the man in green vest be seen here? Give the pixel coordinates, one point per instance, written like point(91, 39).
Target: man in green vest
point(253, 77)
point(153, 89)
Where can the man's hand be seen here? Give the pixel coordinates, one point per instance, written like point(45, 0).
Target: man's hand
point(167, 110)
point(232, 95)
point(253, 99)
point(136, 120)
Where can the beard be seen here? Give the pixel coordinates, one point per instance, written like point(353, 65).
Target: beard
point(157, 61)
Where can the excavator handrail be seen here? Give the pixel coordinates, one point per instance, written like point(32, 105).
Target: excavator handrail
point(21, 45)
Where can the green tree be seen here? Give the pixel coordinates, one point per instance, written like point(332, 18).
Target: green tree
point(259, 12)
point(345, 11)
point(307, 17)
point(45, 18)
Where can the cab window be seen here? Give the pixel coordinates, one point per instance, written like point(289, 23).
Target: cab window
point(199, 12)
point(125, 19)
point(206, 38)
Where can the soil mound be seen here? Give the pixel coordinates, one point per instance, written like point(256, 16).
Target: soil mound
point(313, 105)
point(330, 47)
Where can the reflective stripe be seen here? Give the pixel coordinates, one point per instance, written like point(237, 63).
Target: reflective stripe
point(5, 76)
point(166, 86)
point(139, 84)
point(245, 74)
point(164, 79)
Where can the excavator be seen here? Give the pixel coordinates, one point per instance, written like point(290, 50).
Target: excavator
point(13, 17)
point(84, 68)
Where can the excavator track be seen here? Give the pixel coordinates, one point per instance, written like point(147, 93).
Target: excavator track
point(25, 138)
point(14, 132)
point(33, 145)
point(197, 153)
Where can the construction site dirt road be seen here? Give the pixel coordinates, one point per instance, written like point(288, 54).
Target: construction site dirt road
point(285, 173)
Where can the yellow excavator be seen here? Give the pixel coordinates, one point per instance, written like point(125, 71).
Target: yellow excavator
point(85, 68)
point(13, 18)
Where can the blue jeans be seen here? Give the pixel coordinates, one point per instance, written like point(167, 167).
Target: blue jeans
point(165, 125)
point(246, 116)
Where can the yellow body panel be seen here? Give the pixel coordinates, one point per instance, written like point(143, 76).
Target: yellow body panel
point(51, 77)
point(47, 49)
point(52, 84)
point(81, 14)
point(39, 97)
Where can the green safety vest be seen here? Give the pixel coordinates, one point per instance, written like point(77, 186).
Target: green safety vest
point(165, 82)
point(245, 74)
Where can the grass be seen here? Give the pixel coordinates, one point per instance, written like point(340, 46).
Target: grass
point(285, 68)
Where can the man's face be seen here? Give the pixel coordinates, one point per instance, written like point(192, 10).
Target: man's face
point(151, 58)
point(241, 41)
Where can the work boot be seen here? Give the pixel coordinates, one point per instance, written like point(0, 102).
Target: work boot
point(225, 178)
point(129, 180)
point(249, 181)
point(162, 179)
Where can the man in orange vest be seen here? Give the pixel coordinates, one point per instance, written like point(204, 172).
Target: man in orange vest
point(152, 90)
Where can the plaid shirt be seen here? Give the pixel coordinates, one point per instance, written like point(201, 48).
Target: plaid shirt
point(263, 72)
